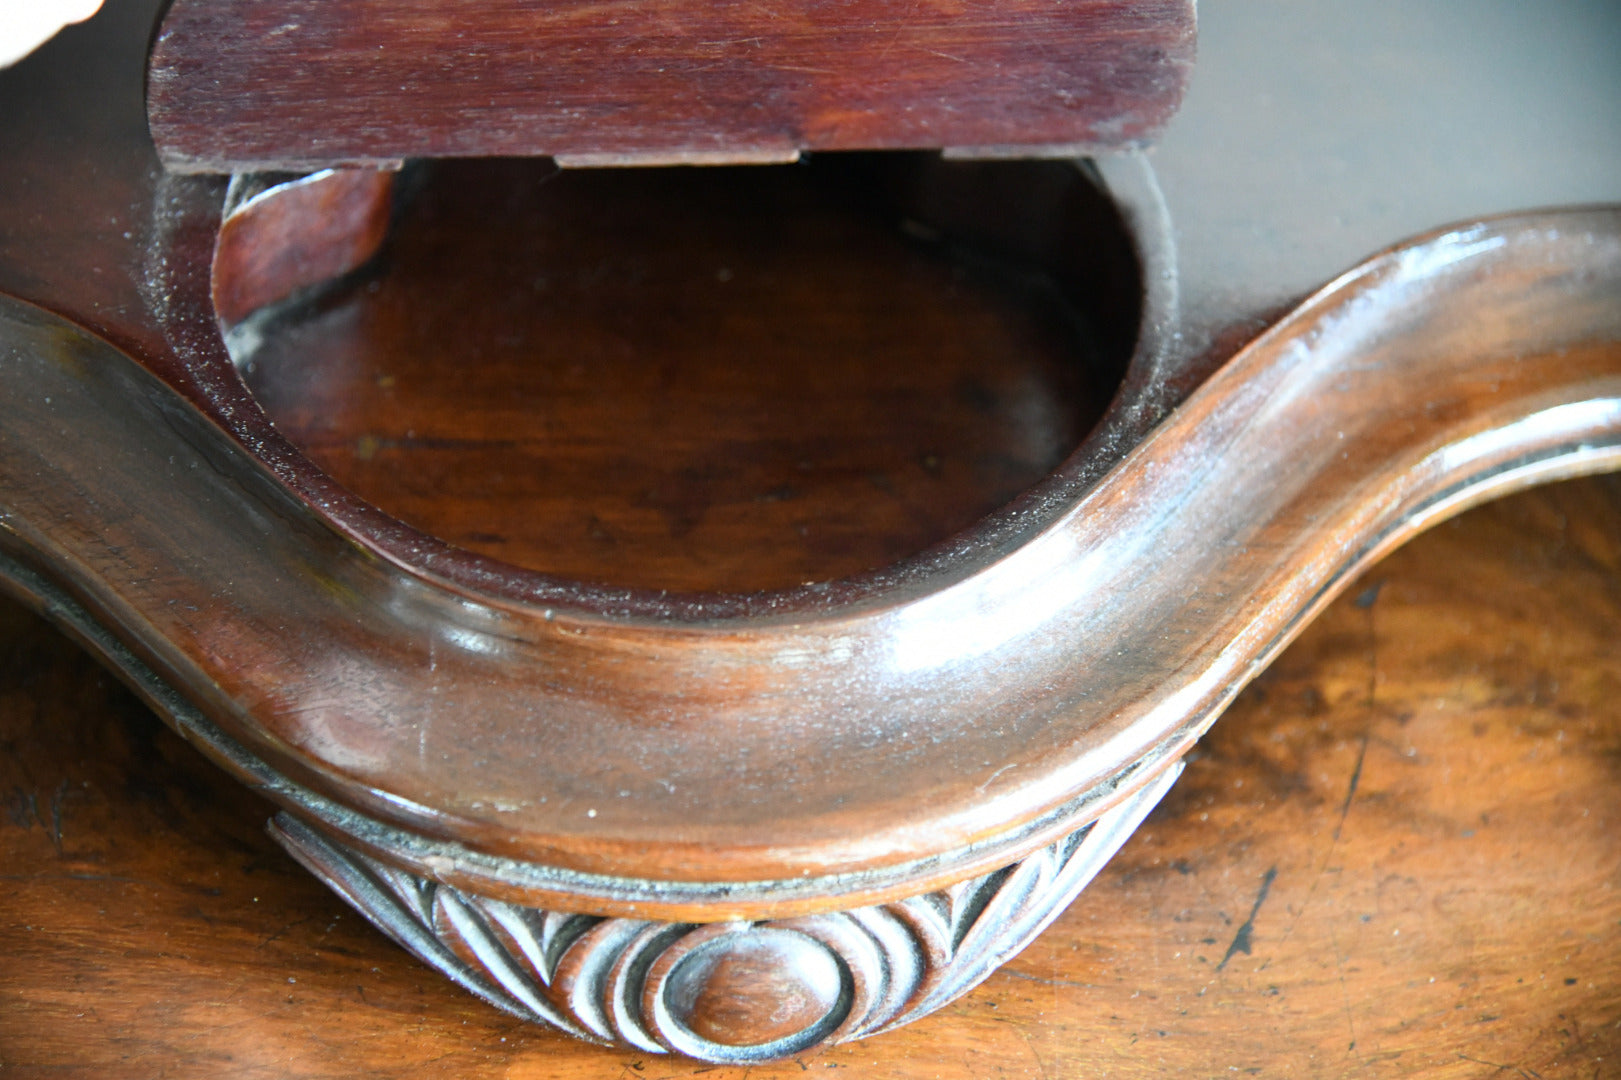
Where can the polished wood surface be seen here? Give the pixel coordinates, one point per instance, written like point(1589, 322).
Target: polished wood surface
point(835, 745)
point(717, 380)
point(520, 737)
point(838, 743)
point(315, 229)
point(238, 85)
point(1395, 856)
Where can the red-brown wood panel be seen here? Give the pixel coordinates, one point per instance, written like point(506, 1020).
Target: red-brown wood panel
point(237, 83)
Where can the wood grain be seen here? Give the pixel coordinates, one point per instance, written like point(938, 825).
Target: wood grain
point(823, 748)
point(237, 85)
point(286, 234)
point(720, 380)
point(201, 550)
point(1426, 780)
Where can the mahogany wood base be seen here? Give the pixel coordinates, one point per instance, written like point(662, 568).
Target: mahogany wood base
point(786, 792)
point(734, 991)
point(1435, 755)
point(741, 965)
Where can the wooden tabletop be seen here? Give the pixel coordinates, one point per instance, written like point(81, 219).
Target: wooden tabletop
point(1397, 855)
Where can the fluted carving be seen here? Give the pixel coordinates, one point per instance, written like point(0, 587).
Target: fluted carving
point(731, 991)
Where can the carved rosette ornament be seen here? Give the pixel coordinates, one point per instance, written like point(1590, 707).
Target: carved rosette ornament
point(726, 992)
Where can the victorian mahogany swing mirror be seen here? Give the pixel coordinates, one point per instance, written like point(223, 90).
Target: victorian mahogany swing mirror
point(729, 610)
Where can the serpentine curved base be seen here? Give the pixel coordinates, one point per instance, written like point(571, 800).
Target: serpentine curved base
point(474, 750)
point(728, 992)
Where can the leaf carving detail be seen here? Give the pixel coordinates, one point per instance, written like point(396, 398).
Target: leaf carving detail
point(732, 992)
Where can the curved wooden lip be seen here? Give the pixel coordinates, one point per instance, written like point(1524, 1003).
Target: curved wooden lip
point(867, 752)
point(227, 400)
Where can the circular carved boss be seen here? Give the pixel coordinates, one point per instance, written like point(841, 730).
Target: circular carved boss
point(726, 992)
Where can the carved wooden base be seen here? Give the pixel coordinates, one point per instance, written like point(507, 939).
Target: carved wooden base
point(729, 992)
point(511, 767)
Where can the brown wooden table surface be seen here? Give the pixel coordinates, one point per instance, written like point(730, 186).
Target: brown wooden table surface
point(1397, 855)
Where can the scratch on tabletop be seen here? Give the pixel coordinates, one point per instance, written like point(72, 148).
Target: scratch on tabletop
point(1528, 1074)
point(1243, 941)
point(283, 930)
point(1050, 982)
point(1350, 791)
point(1334, 841)
point(1040, 1064)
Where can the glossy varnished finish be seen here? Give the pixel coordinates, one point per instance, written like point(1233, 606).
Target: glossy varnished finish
point(961, 713)
point(284, 234)
point(1435, 756)
point(717, 380)
point(239, 85)
point(484, 730)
